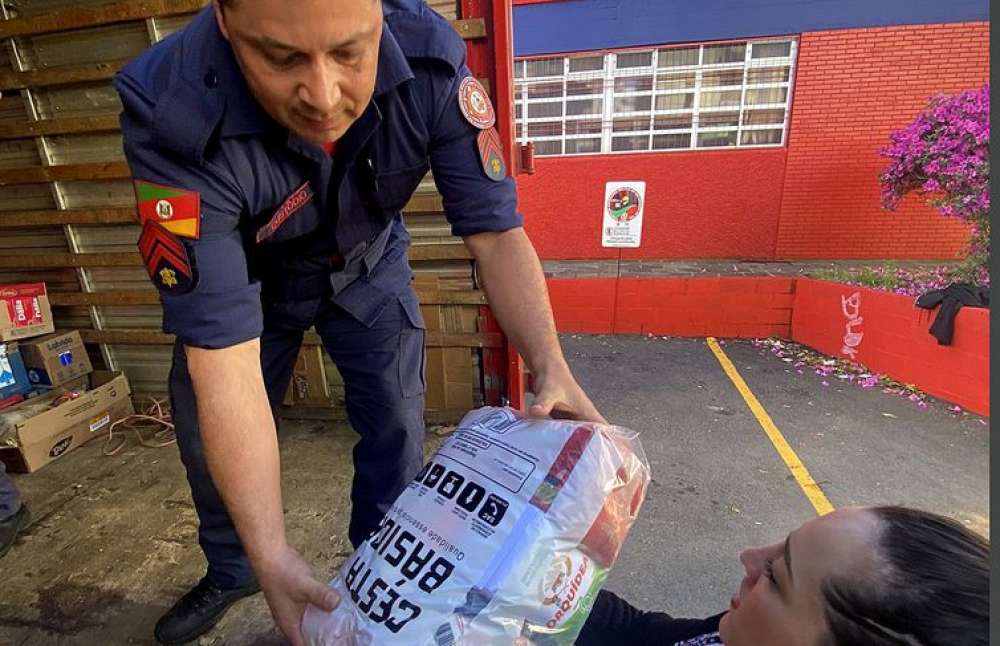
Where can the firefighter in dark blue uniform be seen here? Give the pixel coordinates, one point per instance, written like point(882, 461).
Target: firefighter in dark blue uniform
point(273, 146)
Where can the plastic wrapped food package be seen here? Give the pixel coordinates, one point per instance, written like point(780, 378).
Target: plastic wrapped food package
point(508, 532)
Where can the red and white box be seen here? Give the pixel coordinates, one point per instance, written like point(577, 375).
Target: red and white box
point(24, 311)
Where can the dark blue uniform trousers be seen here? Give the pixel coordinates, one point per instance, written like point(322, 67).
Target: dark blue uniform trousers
point(383, 371)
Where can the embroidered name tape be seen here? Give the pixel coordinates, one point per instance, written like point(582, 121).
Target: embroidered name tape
point(295, 201)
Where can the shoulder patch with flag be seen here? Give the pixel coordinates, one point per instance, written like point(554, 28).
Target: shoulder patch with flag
point(167, 260)
point(175, 209)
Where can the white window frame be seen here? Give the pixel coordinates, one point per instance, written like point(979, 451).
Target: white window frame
point(610, 72)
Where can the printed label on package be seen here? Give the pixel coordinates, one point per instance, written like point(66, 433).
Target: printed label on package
point(492, 540)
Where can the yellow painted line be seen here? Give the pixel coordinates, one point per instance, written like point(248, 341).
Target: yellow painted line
point(809, 487)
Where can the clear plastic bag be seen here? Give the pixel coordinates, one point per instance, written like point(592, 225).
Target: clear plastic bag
point(508, 532)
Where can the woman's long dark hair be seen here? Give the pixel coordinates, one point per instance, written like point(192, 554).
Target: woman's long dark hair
point(932, 589)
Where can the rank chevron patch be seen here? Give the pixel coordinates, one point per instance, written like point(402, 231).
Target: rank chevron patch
point(167, 261)
point(491, 154)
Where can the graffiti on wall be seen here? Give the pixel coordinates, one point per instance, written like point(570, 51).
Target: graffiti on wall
point(851, 306)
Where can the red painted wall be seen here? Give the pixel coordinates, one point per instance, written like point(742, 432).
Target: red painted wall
point(895, 340)
point(817, 198)
point(674, 306)
point(891, 335)
point(703, 204)
point(852, 88)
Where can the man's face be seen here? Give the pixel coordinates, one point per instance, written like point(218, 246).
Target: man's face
point(310, 63)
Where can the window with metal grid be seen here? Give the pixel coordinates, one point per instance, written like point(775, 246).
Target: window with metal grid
point(671, 98)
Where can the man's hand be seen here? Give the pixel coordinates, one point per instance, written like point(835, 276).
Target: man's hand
point(241, 448)
point(289, 585)
point(511, 275)
point(558, 395)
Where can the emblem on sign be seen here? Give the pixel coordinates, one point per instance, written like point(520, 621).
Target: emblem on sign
point(491, 154)
point(624, 210)
point(167, 261)
point(178, 210)
point(475, 104)
point(624, 204)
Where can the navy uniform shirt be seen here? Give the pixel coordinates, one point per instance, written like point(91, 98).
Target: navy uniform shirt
point(249, 204)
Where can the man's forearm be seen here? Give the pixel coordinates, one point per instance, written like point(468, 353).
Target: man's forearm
point(512, 278)
point(240, 443)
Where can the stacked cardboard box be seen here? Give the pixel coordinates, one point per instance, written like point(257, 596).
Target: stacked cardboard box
point(51, 400)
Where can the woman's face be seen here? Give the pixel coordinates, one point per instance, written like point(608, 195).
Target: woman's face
point(780, 602)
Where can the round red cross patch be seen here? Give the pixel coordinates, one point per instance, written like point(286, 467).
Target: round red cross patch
point(475, 104)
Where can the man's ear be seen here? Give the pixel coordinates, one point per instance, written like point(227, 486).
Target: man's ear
point(220, 18)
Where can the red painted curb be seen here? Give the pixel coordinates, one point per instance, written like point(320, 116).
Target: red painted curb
point(888, 334)
point(879, 330)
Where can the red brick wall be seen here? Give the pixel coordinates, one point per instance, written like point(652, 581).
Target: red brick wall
point(852, 88)
point(702, 204)
point(817, 198)
point(895, 340)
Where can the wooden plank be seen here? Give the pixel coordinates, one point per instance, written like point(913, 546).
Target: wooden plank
point(64, 173)
point(155, 337)
point(126, 337)
point(442, 339)
point(96, 15)
point(334, 413)
point(57, 217)
point(455, 251)
point(424, 203)
point(103, 123)
point(50, 260)
point(109, 14)
point(123, 297)
point(151, 297)
point(449, 251)
point(64, 74)
point(470, 28)
point(61, 75)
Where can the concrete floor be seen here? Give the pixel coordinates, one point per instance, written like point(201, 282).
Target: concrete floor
point(114, 538)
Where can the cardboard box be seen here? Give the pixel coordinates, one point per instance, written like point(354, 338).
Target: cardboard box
point(50, 434)
point(24, 311)
point(13, 376)
point(55, 359)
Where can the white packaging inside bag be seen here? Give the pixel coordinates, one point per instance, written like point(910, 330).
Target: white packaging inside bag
point(508, 532)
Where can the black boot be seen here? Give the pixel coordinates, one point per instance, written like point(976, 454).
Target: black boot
point(198, 611)
point(11, 527)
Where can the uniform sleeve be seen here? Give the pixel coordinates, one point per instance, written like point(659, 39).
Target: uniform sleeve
point(223, 307)
point(473, 203)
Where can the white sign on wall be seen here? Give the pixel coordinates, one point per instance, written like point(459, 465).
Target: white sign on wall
point(624, 203)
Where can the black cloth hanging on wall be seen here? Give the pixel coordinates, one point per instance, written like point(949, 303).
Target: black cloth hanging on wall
point(951, 299)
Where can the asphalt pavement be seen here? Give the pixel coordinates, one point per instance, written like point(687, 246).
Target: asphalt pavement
point(719, 485)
